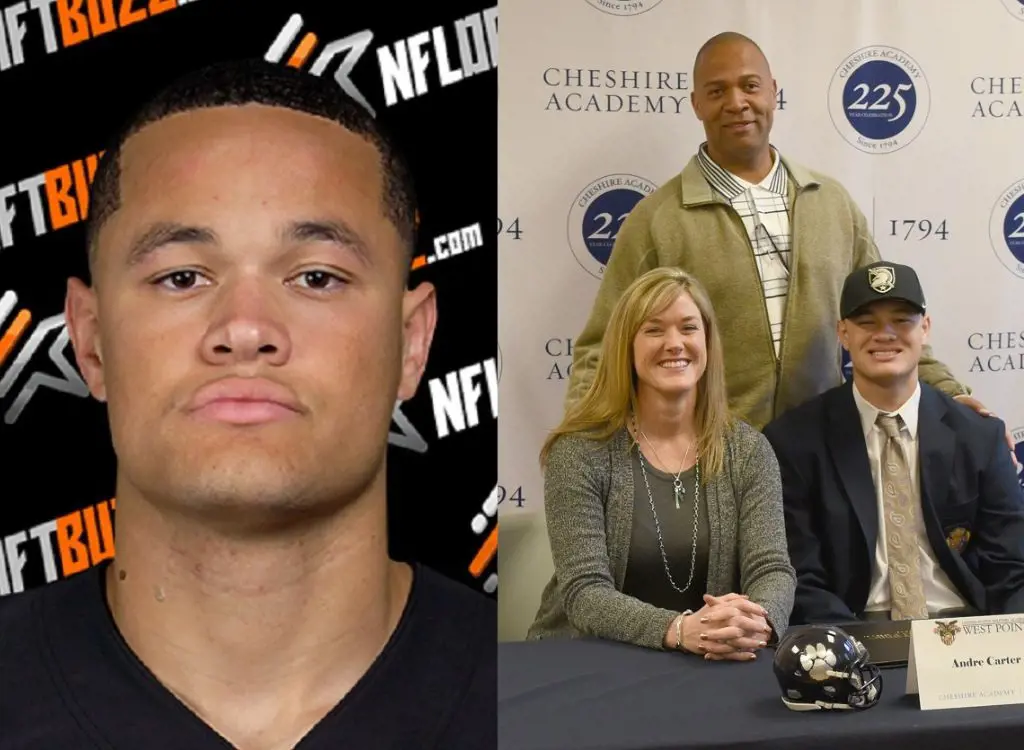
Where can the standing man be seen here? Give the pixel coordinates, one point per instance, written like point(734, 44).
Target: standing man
point(900, 503)
point(249, 328)
point(770, 240)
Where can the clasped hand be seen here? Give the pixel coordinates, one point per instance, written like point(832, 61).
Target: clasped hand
point(729, 627)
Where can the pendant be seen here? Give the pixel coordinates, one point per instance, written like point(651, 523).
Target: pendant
point(678, 487)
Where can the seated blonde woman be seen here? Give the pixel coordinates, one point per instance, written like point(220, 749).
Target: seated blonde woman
point(664, 513)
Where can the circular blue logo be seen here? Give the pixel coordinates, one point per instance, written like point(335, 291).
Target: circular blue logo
point(602, 220)
point(879, 99)
point(1006, 228)
point(597, 215)
point(1013, 229)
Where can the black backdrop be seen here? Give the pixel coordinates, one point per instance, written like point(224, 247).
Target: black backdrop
point(58, 104)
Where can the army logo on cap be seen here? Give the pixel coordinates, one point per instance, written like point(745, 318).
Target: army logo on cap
point(882, 279)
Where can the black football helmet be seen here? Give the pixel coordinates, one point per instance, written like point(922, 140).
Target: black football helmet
point(821, 667)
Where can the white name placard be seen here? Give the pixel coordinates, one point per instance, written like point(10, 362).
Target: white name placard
point(967, 661)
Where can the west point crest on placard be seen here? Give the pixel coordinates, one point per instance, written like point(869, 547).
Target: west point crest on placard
point(947, 631)
point(882, 279)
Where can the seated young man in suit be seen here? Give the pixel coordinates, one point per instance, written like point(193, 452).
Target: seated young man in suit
point(900, 502)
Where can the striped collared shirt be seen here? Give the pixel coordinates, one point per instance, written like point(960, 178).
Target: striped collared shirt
point(764, 210)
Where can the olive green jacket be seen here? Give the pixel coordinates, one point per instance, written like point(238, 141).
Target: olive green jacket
point(685, 223)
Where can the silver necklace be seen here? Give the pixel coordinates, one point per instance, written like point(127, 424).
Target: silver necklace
point(677, 484)
point(657, 524)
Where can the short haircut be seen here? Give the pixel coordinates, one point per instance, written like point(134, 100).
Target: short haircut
point(255, 81)
point(724, 38)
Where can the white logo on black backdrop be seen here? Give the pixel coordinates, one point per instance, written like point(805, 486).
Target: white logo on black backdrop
point(353, 44)
point(457, 396)
point(71, 382)
point(405, 63)
point(403, 66)
point(879, 99)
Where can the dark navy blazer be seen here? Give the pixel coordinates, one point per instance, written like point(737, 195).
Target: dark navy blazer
point(968, 484)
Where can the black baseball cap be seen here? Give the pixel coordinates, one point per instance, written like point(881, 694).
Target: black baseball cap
point(880, 281)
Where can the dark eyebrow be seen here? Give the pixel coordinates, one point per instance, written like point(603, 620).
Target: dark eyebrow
point(336, 232)
point(165, 233)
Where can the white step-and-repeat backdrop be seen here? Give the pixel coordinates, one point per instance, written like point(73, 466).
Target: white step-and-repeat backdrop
point(594, 113)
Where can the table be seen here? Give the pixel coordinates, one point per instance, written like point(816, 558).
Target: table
point(601, 695)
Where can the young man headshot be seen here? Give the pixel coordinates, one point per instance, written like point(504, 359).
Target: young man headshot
point(901, 503)
point(250, 328)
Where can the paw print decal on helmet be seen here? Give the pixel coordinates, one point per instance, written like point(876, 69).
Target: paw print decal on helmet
point(817, 660)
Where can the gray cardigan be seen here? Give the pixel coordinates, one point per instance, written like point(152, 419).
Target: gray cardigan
point(588, 505)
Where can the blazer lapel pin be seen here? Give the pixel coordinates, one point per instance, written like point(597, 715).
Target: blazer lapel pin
point(957, 539)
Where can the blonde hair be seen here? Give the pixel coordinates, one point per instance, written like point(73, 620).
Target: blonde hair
point(612, 394)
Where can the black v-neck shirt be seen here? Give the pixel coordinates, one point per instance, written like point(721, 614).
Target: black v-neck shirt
point(68, 680)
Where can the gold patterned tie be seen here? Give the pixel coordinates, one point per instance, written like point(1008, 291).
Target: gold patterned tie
point(905, 585)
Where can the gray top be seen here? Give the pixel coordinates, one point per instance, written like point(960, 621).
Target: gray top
point(646, 578)
point(588, 506)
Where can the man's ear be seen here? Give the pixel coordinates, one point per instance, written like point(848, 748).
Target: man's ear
point(82, 317)
point(419, 320)
point(841, 333)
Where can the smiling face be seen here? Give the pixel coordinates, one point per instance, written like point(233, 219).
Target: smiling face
point(885, 340)
point(734, 97)
point(670, 350)
point(249, 326)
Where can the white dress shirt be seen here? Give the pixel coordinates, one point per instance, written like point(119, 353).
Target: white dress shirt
point(939, 591)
